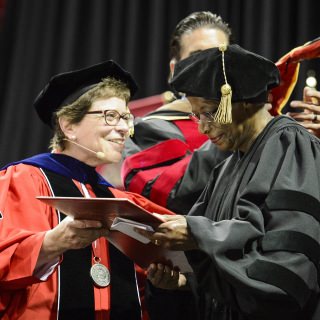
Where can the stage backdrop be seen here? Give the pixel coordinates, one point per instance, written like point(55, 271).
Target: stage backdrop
point(39, 38)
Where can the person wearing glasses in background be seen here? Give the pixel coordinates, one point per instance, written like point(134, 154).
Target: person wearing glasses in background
point(175, 178)
point(46, 258)
point(176, 157)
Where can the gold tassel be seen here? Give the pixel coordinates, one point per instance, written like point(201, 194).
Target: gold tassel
point(224, 112)
point(131, 128)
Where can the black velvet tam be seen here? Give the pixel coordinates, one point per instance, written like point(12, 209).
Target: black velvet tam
point(250, 76)
point(67, 87)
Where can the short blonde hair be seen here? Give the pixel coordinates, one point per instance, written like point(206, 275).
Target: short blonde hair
point(75, 112)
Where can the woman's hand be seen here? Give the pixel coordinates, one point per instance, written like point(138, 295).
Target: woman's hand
point(310, 116)
point(162, 276)
point(173, 234)
point(69, 234)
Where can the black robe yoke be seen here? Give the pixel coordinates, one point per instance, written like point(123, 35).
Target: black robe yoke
point(257, 227)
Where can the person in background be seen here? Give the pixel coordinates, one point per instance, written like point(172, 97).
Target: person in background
point(163, 160)
point(252, 238)
point(51, 266)
point(306, 111)
point(310, 116)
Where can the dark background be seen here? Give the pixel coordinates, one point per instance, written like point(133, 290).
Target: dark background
point(39, 38)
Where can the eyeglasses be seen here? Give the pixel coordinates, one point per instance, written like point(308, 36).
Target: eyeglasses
point(203, 117)
point(112, 117)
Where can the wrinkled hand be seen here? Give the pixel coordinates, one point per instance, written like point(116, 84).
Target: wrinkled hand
point(173, 234)
point(310, 116)
point(70, 234)
point(162, 276)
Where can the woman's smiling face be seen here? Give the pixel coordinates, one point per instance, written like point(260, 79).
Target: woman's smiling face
point(227, 137)
point(93, 133)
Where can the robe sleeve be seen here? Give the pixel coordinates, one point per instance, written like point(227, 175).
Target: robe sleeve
point(24, 221)
point(141, 201)
point(264, 262)
point(147, 133)
point(160, 304)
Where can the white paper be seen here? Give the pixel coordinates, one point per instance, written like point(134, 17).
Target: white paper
point(127, 226)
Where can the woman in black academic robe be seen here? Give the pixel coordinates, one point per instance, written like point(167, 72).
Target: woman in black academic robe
point(252, 238)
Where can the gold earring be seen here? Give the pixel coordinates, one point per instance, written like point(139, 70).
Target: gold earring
point(131, 132)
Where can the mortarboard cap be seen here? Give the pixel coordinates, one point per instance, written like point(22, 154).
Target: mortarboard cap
point(240, 74)
point(67, 87)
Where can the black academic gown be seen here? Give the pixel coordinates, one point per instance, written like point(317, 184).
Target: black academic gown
point(257, 228)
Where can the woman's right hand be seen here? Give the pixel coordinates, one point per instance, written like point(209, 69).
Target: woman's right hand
point(164, 277)
point(69, 234)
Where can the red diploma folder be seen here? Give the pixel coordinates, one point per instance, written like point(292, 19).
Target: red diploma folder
point(106, 210)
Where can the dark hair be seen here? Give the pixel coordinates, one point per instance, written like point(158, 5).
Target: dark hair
point(192, 22)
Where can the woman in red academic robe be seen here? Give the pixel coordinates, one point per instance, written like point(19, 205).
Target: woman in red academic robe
point(45, 257)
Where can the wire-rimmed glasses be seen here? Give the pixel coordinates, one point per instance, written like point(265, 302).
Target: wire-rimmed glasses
point(203, 117)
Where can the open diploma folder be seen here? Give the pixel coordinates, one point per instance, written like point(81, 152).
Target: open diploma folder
point(121, 216)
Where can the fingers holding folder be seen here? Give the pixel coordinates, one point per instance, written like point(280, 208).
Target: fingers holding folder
point(172, 234)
